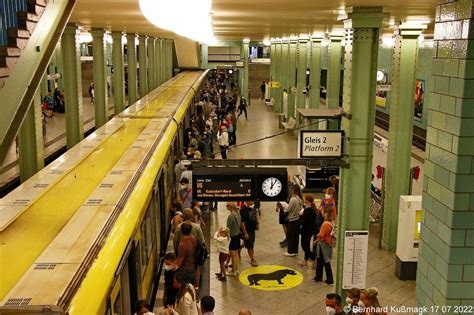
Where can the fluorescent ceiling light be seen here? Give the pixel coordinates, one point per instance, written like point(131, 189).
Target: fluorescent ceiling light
point(267, 42)
point(194, 17)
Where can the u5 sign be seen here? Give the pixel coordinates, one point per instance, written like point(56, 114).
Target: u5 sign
point(320, 143)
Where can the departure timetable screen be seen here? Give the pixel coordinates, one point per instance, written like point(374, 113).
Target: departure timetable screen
point(219, 187)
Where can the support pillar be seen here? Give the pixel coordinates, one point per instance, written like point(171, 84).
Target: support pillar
point(291, 72)
point(446, 250)
point(273, 63)
point(30, 138)
point(360, 66)
point(164, 61)
point(315, 72)
point(142, 66)
point(302, 67)
point(151, 63)
point(100, 84)
point(405, 55)
point(334, 75)
point(285, 52)
point(245, 85)
point(171, 58)
point(204, 56)
point(72, 85)
point(132, 69)
point(158, 64)
point(60, 66)
point(118, 76)
point(277, 92)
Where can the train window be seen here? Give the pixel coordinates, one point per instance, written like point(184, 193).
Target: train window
point(146, 237)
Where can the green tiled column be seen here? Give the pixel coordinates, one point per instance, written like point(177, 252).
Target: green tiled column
point(59, 66)
point(72, 85)
point(100, 84)
point(360, 66)
point(164, 61)
point(132, 69)
point(277, 92)
point(291, 74)
point(151, 63)
point(315, 72)
point(285, 50)
point(273, 63)
point(118, 76)
point(401, 129)
point(301, 77)
point(30, 138)
point(142, 66)
point(334, 75)
point(445, 274)
point(169, 59)
point(158, 62)
point(245, 81)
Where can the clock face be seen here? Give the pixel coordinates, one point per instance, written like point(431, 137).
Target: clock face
point(271, 186)
point(380, 75)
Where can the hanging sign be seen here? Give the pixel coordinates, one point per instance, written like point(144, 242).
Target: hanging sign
point(274, 84)
point(320, 143)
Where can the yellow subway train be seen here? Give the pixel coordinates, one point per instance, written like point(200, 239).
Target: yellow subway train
point(85, 234)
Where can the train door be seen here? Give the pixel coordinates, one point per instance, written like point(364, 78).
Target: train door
point(134, 272)
point(116, 299)
point(162, 215)
point(125, 291)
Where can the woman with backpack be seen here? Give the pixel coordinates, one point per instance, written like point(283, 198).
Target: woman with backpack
point(324, 244)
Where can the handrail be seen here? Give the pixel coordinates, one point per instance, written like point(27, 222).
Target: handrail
point(21, 86)
point(9, 17)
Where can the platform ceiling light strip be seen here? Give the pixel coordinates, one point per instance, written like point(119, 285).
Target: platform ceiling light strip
point(188, 18)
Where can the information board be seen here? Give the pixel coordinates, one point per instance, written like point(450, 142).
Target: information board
point(354, 274)
point(240, 184)
point(320, 143)
point(274, 84)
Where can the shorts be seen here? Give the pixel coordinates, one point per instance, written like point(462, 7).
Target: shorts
point(282, 217)
point(223, 257)
point(234, 243)
point(249, 243)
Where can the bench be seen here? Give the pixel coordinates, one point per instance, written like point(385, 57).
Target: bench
point(270, 103)
point(290, 124)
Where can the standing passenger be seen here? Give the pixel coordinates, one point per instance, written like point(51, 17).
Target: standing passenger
point(294, 208)
point(187, 251)
point(223, 140)
point(233, 224)
point(324, 247)
point(308, 228)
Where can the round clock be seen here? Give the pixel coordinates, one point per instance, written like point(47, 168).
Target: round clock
point(380, 76)
point(271, 186)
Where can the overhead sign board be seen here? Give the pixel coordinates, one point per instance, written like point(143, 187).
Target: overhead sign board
point(240, 184)
point(354, 273)
point(320, 143)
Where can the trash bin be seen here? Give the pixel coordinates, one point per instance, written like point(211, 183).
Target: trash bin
point(281, 118)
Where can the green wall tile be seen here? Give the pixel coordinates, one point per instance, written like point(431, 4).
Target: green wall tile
point(432, 223)
point(467, 126)
point(442, 85)
point(466, 69)
point(461, 255)
point(448, 104)
point(460, 290)
point(422, 265)
point(434, 189)
point(429, 167)
point(445, 140)
point(438, 120)
point(451, 67)
point(463, 9)
point(461, 202)
point(467, 303)
point(435, 101)
point(464, 183)
point(453, 124)
point(437, 67)
point(470, 239)
point(456, 87)
point(464, 107)
point(454, 30)
point(468, 273)
point(447, 12)
point(463, 145)
point(438, 209)
point(458, 48)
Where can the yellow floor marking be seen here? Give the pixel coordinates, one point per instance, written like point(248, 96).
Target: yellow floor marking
point(271, 278)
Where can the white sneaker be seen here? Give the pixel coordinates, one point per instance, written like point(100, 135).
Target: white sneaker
point(289, 255)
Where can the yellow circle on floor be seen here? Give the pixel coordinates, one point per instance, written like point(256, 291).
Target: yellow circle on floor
point(271, 278)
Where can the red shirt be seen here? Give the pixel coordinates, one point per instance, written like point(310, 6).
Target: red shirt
point(187, 253)
point(325, 232)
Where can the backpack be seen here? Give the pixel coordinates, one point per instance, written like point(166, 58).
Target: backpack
point(202, 253)
point(231, 128)
point(253, 215)
point(333, 235)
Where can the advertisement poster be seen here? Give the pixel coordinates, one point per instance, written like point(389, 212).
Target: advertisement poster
point(381, 98)
point(419, 98)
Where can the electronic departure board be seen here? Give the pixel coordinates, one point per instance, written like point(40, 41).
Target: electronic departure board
point(240, 184)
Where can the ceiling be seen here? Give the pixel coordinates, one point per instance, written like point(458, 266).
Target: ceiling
point(253, 19)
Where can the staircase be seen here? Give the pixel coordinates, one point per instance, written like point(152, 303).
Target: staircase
point(18, 20)
point(257, 74)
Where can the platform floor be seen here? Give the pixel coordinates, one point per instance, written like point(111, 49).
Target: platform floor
point(308, 297)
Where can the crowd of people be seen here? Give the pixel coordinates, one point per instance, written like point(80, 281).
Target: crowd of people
point(212, 131)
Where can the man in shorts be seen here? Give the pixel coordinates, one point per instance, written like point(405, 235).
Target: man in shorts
point(249, 217)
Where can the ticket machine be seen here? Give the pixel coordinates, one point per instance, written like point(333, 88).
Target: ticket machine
point(409, 227)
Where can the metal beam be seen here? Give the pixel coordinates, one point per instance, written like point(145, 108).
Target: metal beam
point(271, 162)
point(20, 88)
